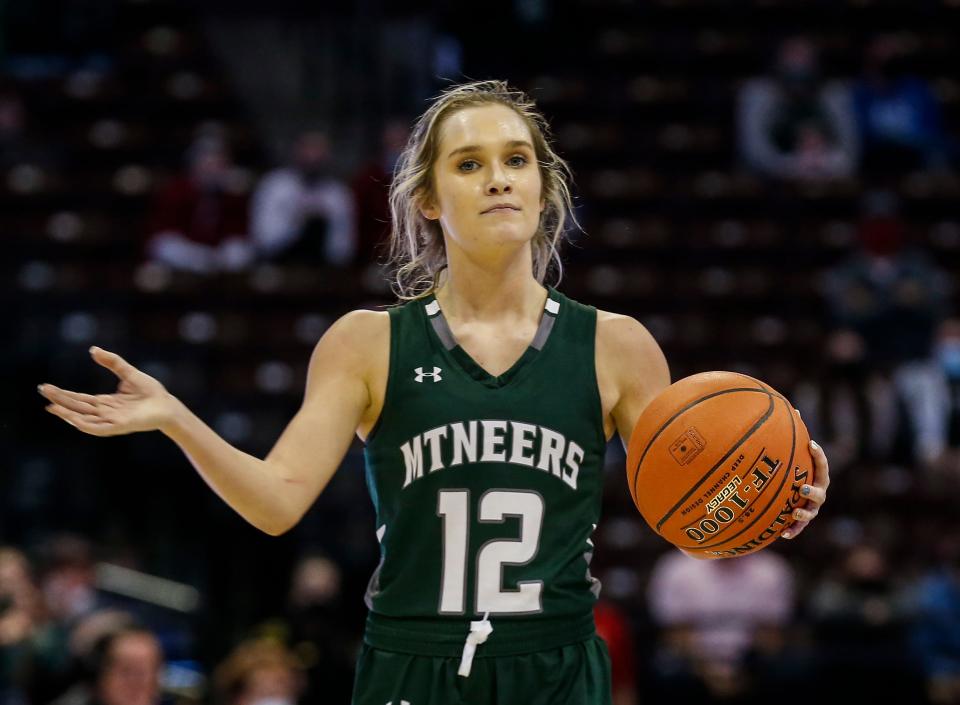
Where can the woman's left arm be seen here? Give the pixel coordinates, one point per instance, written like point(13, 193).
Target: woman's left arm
point(631, 370)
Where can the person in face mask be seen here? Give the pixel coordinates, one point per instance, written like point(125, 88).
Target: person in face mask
point(947, 355)
point(860, 614)
point(793, 125)
point(198, 222)
point(302, 213)
point(259, 672)
point(948, 349)
point(318, 624)
point(68, 582)
point(891, 294)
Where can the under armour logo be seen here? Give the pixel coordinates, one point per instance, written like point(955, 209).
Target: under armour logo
point(402, 702)
point(419, 378)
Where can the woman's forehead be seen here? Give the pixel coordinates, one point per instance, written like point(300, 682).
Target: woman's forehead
point(482, 126)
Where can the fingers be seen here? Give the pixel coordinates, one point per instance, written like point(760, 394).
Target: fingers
point(94, 425)
point(815, 494)
point(74, 401)
point(801, 518)
point(794, 529)
point(821, 468)
point(113, 362)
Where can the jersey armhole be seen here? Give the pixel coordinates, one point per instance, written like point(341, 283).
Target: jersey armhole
point(595, 386)
point(388, 392)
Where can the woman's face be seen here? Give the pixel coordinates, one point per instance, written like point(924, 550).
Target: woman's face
point(486, 159)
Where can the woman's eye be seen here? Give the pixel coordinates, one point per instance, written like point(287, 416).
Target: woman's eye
point(517, 160)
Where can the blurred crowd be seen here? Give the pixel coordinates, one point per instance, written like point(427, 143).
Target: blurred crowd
point(205, 221)
point(729, 631)
point(796, 124)
point(68, 637)
point(865, 606)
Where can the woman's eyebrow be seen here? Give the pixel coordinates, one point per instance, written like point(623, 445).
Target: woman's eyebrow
point(476, 148)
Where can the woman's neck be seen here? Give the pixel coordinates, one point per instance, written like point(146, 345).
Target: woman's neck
point(473, 291)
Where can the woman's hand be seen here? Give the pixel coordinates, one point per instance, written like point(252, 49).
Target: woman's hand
point(140, 403)
point(816, 493)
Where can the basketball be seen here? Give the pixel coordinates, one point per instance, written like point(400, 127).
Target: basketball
point(715, 464)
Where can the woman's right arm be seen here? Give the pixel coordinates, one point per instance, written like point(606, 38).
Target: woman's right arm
point(274, 493)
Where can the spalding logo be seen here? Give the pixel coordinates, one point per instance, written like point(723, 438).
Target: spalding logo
point(688, 446)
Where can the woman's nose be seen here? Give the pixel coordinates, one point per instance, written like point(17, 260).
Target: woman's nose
point(498, 184)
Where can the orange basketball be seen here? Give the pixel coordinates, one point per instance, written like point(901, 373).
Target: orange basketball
point(716, 462)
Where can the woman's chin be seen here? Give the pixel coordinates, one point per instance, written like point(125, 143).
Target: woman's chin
point(511, 232)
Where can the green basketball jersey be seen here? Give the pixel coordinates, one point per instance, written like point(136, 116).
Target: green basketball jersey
point(487, 489)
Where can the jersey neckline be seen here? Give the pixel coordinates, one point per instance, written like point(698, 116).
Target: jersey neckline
point(443, 336)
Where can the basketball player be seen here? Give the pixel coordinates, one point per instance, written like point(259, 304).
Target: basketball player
point(485, 402)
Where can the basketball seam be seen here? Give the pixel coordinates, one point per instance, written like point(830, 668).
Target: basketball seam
point(789, 467)
point(752, 464)
point(753, 429)
point(663, 426)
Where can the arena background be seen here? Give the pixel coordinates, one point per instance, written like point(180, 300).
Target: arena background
point(796, 247)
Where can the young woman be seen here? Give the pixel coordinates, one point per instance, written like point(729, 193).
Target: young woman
point(485, 402)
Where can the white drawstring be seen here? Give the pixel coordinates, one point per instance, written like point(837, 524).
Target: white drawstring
point(479, 631)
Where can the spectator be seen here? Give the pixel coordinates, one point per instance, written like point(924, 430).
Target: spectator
point(260, 672)
point(303, 213)
point(860, 614)
point(34, 655)
point(199, 219)
point(316, 627)
point(936, 632)
point(793, 125)
point(123, 668)
point(371, 185)
point(68, 578)
point(893, 298)
point(21, 616)
point(898, 116)
point(710, 613)
point(947, 357)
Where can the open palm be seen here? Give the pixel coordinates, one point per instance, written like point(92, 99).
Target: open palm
point(140, 403)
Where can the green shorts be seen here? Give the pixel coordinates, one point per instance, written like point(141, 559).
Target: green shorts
point(574, 674)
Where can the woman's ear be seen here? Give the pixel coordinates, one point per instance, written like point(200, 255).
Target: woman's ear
point(429, 212)
point(427, 207)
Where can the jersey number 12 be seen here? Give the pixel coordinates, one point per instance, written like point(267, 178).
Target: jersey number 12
point(453, 507)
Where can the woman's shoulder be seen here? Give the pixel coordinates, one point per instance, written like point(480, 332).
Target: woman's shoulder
point(356, 345)
point(623, 340)
point(370, 327)
point(620, 328)
point(363, 326)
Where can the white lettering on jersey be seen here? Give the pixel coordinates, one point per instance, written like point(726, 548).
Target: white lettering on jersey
point(433, 436)
point(521, 443)
point(551, 451)
point(574, 458)
point(493, 441)
point(464, 442)
point(413, 459)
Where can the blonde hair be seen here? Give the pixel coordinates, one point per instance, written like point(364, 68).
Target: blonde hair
point(416, 243)
point(232, 676)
